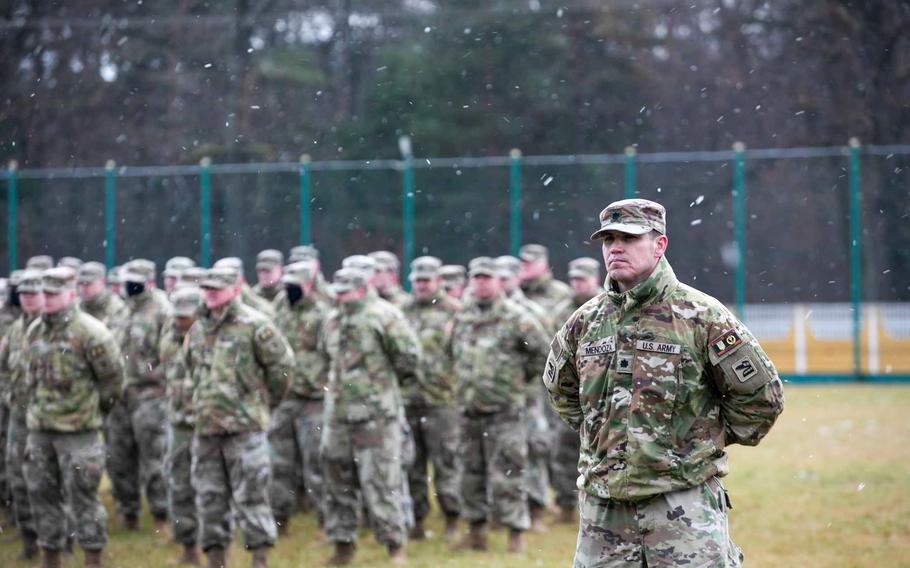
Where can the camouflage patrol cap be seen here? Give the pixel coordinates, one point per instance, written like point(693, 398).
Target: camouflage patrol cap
point(15, 277)
point(56, 280)
point(507, 266)
point(385, 261)
point(139, 270)
point(633, 216)
point(425, 267)
point(269, 259)
point(452, 273)
point(70, 262)
point(41, 262)
point(114, 275)
point(176, 265)
point(192, 275)
point(90, 272)
point(299, 272)
point(530, 253)
point(303, 252)
point(185, 301)
point(482, 266)
point(231, 262)
point(361, 262)
point(584, 267)
point(219, 278)
point(347, 279)
point(31, 281)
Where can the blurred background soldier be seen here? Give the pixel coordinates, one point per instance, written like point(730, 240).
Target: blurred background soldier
point(430, 403)
point(114, 282)
point(387, 279)
point(497, 349)
point(453, 279)
point(296, 427)
point(309, 253)
point(135, 428)
point(70, 262)
point(40, 262)
point(372, 350)
point(240, 366)
point(186, 302)
point(94, 297)
point(268, 274)
point(173, 269)
point(15, 397)
point(75, 374)
point(537, 280)
point(246, 293)
point(9, 314)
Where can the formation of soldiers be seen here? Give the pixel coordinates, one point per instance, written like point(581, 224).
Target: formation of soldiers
point(229, 406)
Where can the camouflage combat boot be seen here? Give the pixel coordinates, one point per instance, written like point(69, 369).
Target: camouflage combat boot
point(397, 554)
point(516, 544)
point(29, 546)
point(451, 527)
point(92, 559)
point(283, 526)
point(537, 524)
point(418, 533)
point(344, 554)
point(189, 557)
point(476, 539)
point(216, 558)
point(566, 516)
point(260, 557)
point(49, 558)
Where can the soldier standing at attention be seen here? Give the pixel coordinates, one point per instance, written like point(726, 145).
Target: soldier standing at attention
point(269, 265)
point(9, 313)
point(186, 302)
point(246, 293)
point(386, 280)
point(135, 429)
point(75, 374)
point(537, 280)
point(310, 253)
point(453, 279)
point(498, 351)
point(173, 269)
point(240, 366)
point(658, 378)
point(430, 404)
point(94, 297)
point(371, 351)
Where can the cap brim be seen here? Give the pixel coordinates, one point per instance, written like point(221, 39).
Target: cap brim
point(580, 274)
point(341, 289)
point(490, 273)
point(185, 312)
point(622, 228)
point(213, 284)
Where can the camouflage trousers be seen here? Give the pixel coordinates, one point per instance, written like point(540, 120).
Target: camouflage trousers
point(540, 442)
point(65, 469)
point(294, 436)
point(136, 446)
point(363, 458)
point(435, 433)
point(5, 496)
point(233, 471)
point(564, 464)
point(181, 496)
point(494, 451)
point(681, 528)
point(16, 439)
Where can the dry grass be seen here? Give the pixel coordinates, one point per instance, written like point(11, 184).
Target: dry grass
point(829, 488)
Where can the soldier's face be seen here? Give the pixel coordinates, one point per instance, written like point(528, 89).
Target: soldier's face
point(170, 282)
point(509, 284)
point(88, 290)
point(31, 302)
point(485, 287)
point(424, 288)
point(455, 290)
point(215, 298)
point(532, 269)
point(584, 286)
point(268, 277)
point(631, 258)
point(54, 303)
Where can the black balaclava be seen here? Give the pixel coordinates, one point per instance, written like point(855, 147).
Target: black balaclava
point(134, 288)
point(14, 296)
point(295, 292)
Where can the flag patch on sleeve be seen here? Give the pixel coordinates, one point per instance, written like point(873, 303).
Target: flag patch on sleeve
point(726, 343)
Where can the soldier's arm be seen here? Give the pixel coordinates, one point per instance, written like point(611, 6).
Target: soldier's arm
point(104, 356)
point(560, 375)
point(402, 348)
point(5, 371)
point(532, 343)
point(277, 359)
point(751, 391)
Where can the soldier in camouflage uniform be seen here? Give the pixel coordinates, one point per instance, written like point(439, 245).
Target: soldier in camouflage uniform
point(94, 297)
point(296, 428)
point(537, 281)
point(173, 270)
point(372, 351)
point(75, 375)
point(268, 274)
point(453, 279)
point(386, 280)
point(584, 278)
point(658, 378)
point(186, 302)
point(430, 403)
point(135, 428)
point(309, 253)
point(240, 366)
point(246, 293)
point(15, 397)
point(9, 314)
point(191, 276)
point(40, 262)
point(71, 262)
point(498, 350)
point(114, 282)
point(540, 437)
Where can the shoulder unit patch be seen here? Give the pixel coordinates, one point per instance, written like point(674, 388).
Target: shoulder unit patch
point(726, 343)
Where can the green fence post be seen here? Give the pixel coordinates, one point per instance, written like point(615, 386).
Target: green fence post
point(407, 195)
point(305, 192)
point(630, 171)
point(11, 202)
point(515, 200)
point(205, 212)
point(855, 257)
point(109, 223)
point(739, 225)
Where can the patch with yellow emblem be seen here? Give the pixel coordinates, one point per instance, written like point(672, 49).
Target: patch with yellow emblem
point(726, 343)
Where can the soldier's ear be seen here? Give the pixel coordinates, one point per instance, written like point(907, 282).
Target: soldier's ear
point(660, 245)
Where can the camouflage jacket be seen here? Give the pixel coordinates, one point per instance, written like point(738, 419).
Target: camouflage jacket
point(75, 372)
point(371, 350)
point(565, 310)
point(179, 385)
point(106, 308)
point(256, 302)
point(140, 334)
point(240, 366)
point(302, 325)
point(659, 380)
point(8, 315)
point(547, 291)
point(431, 320)
point(540, 314)
point(498, 349)
point(267, 294)
point(395, 296)
point(12, 366)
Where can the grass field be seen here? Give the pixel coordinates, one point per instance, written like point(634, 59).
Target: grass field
point(829, 488)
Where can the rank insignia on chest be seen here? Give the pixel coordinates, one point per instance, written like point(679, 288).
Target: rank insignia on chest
point(726, 343)
point(624, 363)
